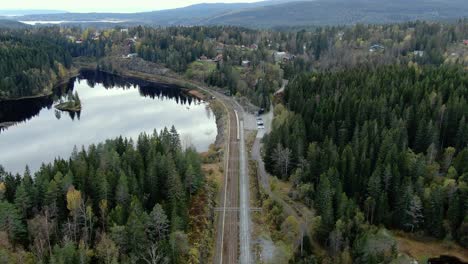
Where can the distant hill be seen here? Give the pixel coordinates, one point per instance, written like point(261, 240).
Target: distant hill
point(283, 13)
point(333, 12)
point(5, 23)
point(186, 15)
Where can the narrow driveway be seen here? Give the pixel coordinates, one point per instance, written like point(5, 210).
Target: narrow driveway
point(264, 176)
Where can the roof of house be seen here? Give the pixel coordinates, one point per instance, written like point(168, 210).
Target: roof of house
point(377, 46)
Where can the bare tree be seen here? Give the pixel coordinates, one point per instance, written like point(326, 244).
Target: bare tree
point(106, 250)
point(336, 242)
point(282, 158)
point(154, 255)
point(414, 212)
point(187, 141)
point(42, 227)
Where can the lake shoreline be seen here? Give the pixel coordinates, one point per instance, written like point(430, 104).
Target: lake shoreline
point(119, 106)
point(71, 74)
point(81, 64)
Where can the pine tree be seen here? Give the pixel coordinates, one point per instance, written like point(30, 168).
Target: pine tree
point(122, 192)
point(23, 201)
point(323, 201)
point(158, 224)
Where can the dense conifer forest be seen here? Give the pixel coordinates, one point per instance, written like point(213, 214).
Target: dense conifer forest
point(30, 64)
point(371, 134)
point(35, 59)
point(385, 146)
point(116, 202)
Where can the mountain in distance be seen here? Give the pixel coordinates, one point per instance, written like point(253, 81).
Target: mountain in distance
point(191, 15)
point(281, 13)
point(344, 12)
point(6, 23)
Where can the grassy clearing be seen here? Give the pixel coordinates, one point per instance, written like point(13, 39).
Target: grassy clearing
point(200, 70)
point(422, 248)
point(213, 172)
point(282, 189)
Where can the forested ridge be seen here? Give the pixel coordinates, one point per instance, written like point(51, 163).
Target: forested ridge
point(116, 202)
point(385, 146)
point(36, 58)
point(30, 64)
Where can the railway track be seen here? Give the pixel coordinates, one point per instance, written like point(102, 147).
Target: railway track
point(228, 220)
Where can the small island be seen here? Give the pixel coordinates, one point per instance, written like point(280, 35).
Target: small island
point(73, 103)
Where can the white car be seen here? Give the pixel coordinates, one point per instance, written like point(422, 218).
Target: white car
point(261, 127)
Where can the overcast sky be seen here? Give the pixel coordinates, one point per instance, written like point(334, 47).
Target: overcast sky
point(106, 5)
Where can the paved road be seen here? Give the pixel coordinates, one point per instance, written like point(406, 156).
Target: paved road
point(264, 176)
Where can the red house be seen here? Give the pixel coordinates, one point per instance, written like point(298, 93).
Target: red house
point(465, 42)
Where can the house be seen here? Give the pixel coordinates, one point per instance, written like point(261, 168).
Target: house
point(376, 47)
point(79, 41)
point(132, 55)
point(280, 93)
point(124, 30)
point(465, 42)
point(254, 46)
point(245, 63)
point(130, 41)
point(340, 35)
point(218, 58)
point(203, 58)
point(96, 35)
point(418, 53)
point(281, 56)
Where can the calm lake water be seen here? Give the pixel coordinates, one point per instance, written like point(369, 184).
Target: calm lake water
point(111, 106)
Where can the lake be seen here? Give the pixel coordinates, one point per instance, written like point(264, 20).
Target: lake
point(111, 106)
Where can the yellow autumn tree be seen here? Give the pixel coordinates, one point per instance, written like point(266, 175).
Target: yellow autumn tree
point(2, 189)
point(73, 199)
point(73, 204)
